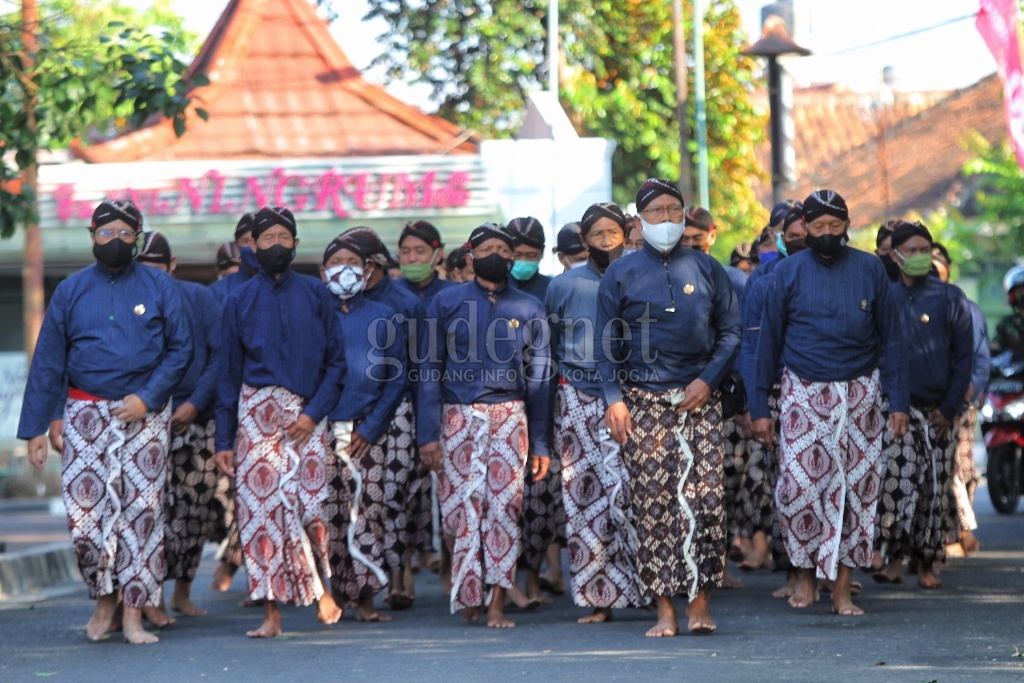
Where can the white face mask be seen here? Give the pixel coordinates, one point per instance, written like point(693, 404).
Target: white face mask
point(577, 264)
point(662, 236)
point(345, 281)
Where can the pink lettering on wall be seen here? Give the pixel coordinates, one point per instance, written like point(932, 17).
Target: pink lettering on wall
point(342, 194)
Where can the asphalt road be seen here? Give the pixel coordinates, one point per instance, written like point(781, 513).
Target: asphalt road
point(969, 631)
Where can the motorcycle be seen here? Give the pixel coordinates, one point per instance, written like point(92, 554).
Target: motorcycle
point(1002, 425)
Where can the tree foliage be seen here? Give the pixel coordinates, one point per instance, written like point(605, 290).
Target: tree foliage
point(98, 66)
point(482, 57)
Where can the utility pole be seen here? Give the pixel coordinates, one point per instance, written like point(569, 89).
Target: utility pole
point(33, 294)
point(679, 53)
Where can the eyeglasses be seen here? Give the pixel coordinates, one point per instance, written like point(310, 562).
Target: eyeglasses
point(656, 213)
point(126, 235)
point(831, 225)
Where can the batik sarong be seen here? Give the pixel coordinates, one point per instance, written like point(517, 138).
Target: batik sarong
point(830, 471)
point(357, 515)
point(917, 514)
point(190, 514)
point(674, 460)
point(733, 475)
point(404, 488)
point(226, 527)
point(965, 474)
point(543, 514)
point(481, 494)
point(113, 478)
point(280, 498)
point(595, 491)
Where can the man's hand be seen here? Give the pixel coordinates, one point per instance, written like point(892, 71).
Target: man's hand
point(57, 435)
point(132, 409)
point(763, 429)
point(743, 422)
point(225, 462)
point(939, 423)
point(619, 423)
point(695, 395)
point(302, 430)
point(898, 424)
point(430, 454)
point(359, 446)
point(539, 465)
point(37, 449)
point(184, 416)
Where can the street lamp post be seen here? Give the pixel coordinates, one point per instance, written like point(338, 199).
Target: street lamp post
point(775, 42)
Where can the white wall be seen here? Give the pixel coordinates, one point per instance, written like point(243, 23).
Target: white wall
point(553, 180)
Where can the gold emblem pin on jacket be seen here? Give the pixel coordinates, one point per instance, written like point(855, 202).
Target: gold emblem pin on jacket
point(925, 318)
point(688, 289)
point(140, 309)
point(514, 323)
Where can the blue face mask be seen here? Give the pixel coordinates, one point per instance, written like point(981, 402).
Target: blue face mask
point(768, 257)
point(248, 257)
point(524, 270)
point(780, 244)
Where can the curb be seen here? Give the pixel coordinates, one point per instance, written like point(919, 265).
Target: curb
point(27, 572)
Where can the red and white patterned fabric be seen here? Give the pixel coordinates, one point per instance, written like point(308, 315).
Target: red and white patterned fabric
point(113, 477)
point(830, 471)
point(280, 498)
point(481, 494)
point(595, 492)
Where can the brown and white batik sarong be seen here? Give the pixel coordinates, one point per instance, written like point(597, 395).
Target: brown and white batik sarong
point(917, 512)
point(830, 471)
point(965, 474)
point(113, 478)
point(357, 513)
point(190, 511)
point(596, 494)
point(543, 515)
point(674, 460)
point(280, 497)
point(481, 494)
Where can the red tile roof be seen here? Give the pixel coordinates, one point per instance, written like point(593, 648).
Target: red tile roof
point(280, 86)
point(924, 138)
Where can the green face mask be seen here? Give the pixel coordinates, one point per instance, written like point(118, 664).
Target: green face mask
point(417, 272)
point(524, 270)
point(917, 265)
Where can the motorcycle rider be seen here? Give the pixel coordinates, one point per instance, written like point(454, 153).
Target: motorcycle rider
point(1010, 330)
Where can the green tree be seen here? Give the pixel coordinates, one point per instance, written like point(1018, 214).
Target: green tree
point(482, 57)
point(97, 66)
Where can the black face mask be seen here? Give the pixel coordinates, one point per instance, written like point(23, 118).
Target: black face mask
point(116, 253)
point(795, 246)
point(827, 245)
point(603, 257)
point(892, 269)
point(493, 267)
point(275, 259)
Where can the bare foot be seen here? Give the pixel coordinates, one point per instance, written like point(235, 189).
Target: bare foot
point(826, 586)
point(699, 619)
point(471, 615)
point(730, 581)
point(877, 561)
point(598, 616)
point(365, 611)
point(842, 603)
point(969, 542)
point(891, 572)
point(758, 555)
point(668, 624)
point(102, 617)
point(271, 626)
point(787, 588)
point(117, 623)
point(496, 611)
point(533, 590)
point(181, 600)
point(398, 599)
point(327, 610)
point(518, 598)
point(926, 577)
point(157, 615)
point(805, 593)
point(553, 578)
point(133, 631)
point(955, 550)
point(223, 576)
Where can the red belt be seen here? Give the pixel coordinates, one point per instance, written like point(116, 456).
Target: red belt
point(562, 380)
point(79, 395)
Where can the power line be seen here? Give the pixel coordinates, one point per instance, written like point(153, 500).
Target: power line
point(908, 34)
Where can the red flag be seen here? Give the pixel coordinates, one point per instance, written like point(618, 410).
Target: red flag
point(998, 23)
